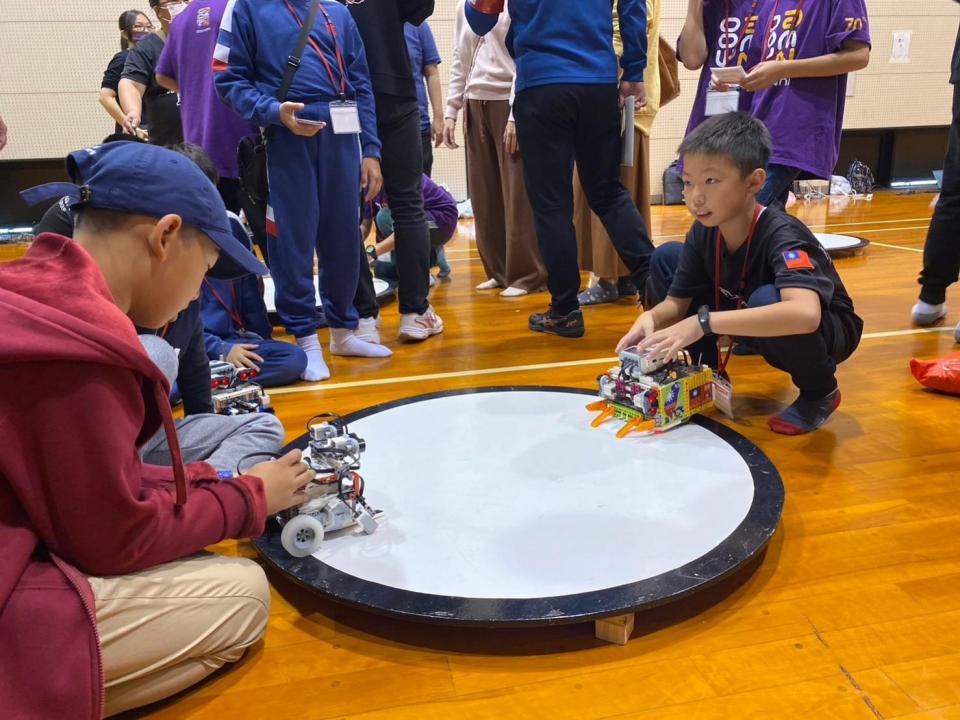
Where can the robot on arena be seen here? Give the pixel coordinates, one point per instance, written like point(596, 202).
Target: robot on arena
point(650, 394)
point(234, 392)
point(336, 495)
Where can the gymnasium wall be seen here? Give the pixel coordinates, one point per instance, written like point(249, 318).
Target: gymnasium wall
point(53, 52)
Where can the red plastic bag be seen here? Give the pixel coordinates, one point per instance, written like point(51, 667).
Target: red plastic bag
point(942, 374)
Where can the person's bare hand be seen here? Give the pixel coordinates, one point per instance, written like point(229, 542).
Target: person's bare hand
point(436, 131)
point(371, 179)
point(3, 134)
point(644, 326)
point(288, 116)
point(766, 74)
point(668, 343)
point(243, 355)
point(449, 128)
point(635, 89)
point(510, 142)
point(283, 480)
point(131, 123)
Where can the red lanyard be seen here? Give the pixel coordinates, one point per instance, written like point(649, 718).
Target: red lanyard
point(766, 36)
point(726, 29)
point(336, 49)
point(722, 361)
point(232, 307)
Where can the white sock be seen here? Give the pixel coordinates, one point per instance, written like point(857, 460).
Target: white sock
point(513, 292)
point(316, 368)
point(927, 308)
point(488, 284)
point(344, 342)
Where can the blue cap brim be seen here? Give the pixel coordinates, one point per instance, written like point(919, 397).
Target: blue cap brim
point(236, 256)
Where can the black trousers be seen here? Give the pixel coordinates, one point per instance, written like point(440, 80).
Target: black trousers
point(236, 200)
point(810, 360)
point(426, 144)
point(398, 123)
point(557, 125)
point(941, 252)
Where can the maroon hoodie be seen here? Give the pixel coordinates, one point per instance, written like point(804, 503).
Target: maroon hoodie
point(78, 396)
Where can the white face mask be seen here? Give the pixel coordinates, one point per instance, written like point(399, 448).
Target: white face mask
point(176, 9)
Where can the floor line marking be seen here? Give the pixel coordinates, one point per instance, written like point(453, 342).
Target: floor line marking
point(526, 368)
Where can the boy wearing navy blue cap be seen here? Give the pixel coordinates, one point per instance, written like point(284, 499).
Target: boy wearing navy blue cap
point(84, 524)
point(322, 150)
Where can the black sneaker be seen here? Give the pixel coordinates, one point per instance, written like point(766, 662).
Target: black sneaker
point(564, 325)
point(626, 288)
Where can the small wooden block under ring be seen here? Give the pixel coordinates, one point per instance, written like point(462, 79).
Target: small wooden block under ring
point(616, 629)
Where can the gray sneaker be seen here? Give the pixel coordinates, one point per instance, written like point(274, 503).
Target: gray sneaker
point(602, 292)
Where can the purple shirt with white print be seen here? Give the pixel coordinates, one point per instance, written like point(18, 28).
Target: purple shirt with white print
point(729, 27)
point(805, 115)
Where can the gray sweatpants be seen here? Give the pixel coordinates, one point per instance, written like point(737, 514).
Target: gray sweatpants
point(221, 440)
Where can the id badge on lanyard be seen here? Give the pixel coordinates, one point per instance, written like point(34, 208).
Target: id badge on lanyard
point(720, 103)
point(345, 117)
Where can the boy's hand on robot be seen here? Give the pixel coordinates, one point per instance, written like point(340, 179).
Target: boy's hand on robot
point(644, 326)
point(243, 355)
point(669, 342)
point(283, 481)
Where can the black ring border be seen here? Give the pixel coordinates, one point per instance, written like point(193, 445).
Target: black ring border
point(745, 543)
point(839, 253)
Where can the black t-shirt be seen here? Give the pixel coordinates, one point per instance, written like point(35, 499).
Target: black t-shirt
point(782, 250)
point(161, 108)
point(380, 23)
point(111, 76)
point(185, 333)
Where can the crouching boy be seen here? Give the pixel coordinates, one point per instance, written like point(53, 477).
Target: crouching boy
point(748, 272)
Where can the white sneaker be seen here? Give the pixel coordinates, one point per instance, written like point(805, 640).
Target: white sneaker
point(369, 330)
point(414, 327)
point(924, 314)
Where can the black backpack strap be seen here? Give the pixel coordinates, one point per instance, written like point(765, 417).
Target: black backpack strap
point(293, 62)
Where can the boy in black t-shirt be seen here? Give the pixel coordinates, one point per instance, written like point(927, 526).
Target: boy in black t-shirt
point(746, 271)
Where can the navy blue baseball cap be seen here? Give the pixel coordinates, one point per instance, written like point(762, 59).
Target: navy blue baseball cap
point(143, 179)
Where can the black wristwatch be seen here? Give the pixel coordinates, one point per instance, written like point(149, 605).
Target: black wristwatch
point(703, 317)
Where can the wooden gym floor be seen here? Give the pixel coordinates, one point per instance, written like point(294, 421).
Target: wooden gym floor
point(853, 613)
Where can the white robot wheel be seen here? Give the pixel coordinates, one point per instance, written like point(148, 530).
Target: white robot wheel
point(302, 535)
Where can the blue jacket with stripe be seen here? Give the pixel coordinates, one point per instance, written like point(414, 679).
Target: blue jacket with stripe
point(257, 37)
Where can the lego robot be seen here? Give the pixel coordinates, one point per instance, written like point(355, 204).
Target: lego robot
point(234, 393)
point(336, 495)
point(651, 395)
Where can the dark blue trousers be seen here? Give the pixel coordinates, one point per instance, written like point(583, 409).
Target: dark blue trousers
point(314, 210)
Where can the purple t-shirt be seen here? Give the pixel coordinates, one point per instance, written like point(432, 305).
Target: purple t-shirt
point(422, 49)
point(440, 206)
point(729, 27)
point(805, 115)
point(207, 122)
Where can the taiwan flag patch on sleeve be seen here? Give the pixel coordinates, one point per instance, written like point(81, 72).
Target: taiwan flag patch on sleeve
point(797, 260)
